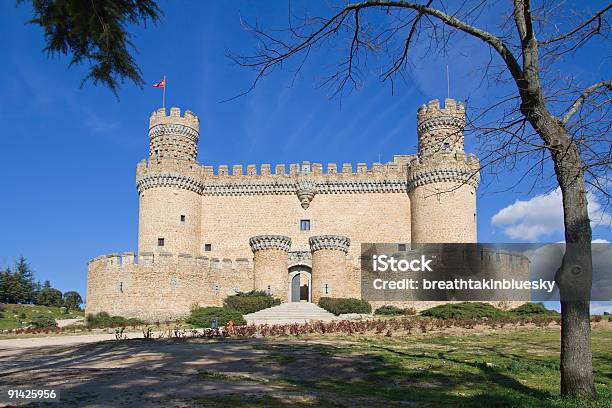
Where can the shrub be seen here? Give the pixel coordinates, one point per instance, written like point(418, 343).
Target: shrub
point(390, 310)
point(104, 320)
point(250, 302)
point(530, 309)
point(1, 315)
point(202, 317)
point(21, 315)
point(465, 310)
point(339, 306)
point(43, 321)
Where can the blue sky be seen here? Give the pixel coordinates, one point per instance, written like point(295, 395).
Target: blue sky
point(68, 156)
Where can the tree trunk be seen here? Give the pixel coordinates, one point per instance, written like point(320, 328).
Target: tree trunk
point(574, 277)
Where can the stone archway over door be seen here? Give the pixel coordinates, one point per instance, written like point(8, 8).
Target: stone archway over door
point(300, 287)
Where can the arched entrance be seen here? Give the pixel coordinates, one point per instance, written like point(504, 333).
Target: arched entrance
point(300, 279)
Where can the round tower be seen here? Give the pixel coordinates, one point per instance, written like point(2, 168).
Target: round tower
point(169, 186)
point(270, 259)
point(329, 271)
point(442, 179)
point(173, 136)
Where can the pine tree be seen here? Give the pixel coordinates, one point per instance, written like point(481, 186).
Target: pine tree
point(25, 281)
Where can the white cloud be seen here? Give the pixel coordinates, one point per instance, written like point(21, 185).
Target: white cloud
point(542, 215)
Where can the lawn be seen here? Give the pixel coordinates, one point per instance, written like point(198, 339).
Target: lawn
point(506, 369)
point(13, 314)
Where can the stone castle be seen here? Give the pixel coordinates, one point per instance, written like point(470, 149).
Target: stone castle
point(207, 233)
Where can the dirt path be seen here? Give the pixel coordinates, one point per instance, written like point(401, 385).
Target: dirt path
point(37, 342)
point(169, 373)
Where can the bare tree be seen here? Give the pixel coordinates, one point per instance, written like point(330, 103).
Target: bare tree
point(546, 116)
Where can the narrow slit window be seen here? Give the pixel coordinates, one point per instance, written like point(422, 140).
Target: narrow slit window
point(183, 219)
point(305, 225)
point(160, 242)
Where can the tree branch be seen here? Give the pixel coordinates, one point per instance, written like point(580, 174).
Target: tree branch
point(580, 27)
point(585, 94)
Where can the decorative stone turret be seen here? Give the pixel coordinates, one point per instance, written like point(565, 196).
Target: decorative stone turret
point(270, 264)
point(442, 179)
point(329, 266)
point(173, 136)
point(440, 129)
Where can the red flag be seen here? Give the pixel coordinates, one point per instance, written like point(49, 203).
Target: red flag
point(160, 84)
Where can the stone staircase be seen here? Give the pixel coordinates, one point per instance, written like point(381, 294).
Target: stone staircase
point(293, 312)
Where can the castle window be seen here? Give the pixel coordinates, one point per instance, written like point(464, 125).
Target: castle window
point(207, 247)
point(216, 289)
point(183, 219)
point(446, 146)
point(401, 247)
point(305, 225)
point(160, 242)
point(327, 288)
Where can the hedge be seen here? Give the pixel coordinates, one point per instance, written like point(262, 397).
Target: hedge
point(250, 302)
point(390, 310)
point(201, 317)
point(464, 310)
point(340, 306)
point(104, 320)
point(530, 309)
point(43, 321)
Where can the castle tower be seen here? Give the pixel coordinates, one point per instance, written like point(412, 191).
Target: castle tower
point(173, 136)
point(329, 266)
point(442, 180)
point(169, 186)
point(270, 264)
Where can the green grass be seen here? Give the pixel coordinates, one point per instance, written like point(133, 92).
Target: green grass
point(11, 314)
point(503, 369)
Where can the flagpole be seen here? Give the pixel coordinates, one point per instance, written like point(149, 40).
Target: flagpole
point(164, 94)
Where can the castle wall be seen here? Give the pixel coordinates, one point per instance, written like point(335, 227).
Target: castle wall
point(162, 287)
point(229, 221)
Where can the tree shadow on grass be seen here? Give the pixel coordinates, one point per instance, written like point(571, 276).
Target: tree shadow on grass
point(278, 372)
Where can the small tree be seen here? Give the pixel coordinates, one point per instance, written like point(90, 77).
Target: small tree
point(50, 297)
point(72, 300)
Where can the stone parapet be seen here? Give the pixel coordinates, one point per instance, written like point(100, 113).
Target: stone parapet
point(333, 242)
point(263, 242)
point(443, 167)
point(153, 180)
point(188, 119)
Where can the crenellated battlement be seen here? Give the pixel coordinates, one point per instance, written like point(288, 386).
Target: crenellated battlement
point(305, 168)
point(305, 179)
point(451, 108)
point(126, 260)
point(159, 117)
